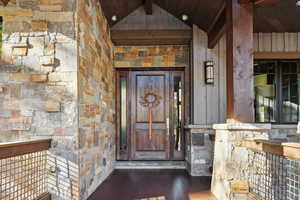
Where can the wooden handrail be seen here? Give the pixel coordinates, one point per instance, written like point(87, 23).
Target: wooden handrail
point(44, 196)
point(8, 150)
point(288, 150)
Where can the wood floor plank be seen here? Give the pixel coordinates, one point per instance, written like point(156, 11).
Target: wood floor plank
point(153, 185)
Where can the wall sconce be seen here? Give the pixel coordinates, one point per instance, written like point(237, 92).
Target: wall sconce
point(209, 72)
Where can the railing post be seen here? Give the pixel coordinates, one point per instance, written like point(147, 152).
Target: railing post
point(230, 162)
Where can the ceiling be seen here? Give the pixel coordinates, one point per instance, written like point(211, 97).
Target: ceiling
point(279, 17)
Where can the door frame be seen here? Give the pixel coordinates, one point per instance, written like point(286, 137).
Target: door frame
point(126, 155)
point(136, 155)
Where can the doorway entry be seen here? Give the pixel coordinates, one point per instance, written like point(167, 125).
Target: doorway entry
point(150, 115)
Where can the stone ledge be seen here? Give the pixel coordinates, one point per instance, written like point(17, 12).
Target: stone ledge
point(199, 126)
point(284, 126)
point(242, 126)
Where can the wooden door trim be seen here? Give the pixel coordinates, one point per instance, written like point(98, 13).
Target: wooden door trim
point(122, 155)
point(146, 69)
point(151, 37)
point(133, 76)
point(125, 71)
point(183, 96)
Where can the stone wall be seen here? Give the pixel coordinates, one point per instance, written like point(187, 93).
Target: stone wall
point(285, 133)
point(199, 149)
point(231, 163)
point(152, 56)
point(96, 97)
point(38, 81)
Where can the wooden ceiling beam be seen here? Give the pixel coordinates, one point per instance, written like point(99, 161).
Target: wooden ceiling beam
point(151, 37)
point(218, 28)
point(259, 2)
point(148, 7)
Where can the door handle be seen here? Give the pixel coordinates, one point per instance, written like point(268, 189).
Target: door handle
point(168, 126)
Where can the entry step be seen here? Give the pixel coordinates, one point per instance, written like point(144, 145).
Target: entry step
point(150, 165)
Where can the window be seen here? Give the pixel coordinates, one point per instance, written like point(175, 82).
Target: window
point(277, 90)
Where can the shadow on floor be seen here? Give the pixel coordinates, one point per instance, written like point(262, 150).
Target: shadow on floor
point(153, 185)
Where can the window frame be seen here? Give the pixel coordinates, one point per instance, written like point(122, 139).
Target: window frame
point(278, 89)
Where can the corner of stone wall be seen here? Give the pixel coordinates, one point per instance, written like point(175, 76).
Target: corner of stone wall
point(96, 97)
point(230, 162)
point(38, 72)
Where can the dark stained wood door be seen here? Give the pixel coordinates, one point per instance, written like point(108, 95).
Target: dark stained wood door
point(150, 115)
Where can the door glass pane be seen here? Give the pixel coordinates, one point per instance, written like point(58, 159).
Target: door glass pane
point(290, 92)
point(177, 113)
point(123, 114)
point(265, 91)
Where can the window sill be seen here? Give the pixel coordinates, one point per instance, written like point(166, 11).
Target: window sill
point(284, 126)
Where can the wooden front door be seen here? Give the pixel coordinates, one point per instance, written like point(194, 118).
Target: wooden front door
point(150, 115)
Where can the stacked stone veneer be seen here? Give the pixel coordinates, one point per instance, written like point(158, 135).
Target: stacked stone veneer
point(199, 149)
point(38, 79)
point(152, 56)
point(56, 80)
point(96, 97)
point(231, 163)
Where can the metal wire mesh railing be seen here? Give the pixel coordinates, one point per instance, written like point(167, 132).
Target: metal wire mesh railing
point(23, 172)
point(23, 177)
point(273, 177)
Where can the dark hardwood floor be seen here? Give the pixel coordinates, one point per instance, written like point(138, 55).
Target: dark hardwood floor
point(153, 185)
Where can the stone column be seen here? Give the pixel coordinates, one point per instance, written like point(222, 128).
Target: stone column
point(230, 162)
point(199, 149)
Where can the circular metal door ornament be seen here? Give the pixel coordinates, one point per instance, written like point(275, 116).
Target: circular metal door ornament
point(150, 99)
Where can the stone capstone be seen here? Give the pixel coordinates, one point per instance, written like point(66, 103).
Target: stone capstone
point(39, 78)
point(52, 106)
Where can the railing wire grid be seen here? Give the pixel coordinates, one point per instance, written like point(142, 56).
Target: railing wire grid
point(23, 177)
point(273, 177)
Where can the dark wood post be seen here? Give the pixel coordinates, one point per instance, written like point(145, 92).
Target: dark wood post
point(240, 89)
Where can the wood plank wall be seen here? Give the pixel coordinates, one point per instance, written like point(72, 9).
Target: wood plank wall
point(277, 42)
point(209, 101)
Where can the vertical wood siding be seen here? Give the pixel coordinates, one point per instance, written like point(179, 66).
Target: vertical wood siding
point(209, 101)
point(277, 42)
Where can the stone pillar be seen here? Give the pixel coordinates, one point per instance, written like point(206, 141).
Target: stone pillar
point(199, 149)
point(230, 162)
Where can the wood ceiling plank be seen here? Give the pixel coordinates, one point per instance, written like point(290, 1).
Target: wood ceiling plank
point(259, 2)
point(218, 28)
point(268, 16)
point(148, 7)
point(119, 8)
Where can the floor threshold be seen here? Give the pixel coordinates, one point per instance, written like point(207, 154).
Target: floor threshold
point(150, 165)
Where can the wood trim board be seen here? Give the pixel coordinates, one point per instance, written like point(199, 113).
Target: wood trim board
point(151, 37)
point(21, 148)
